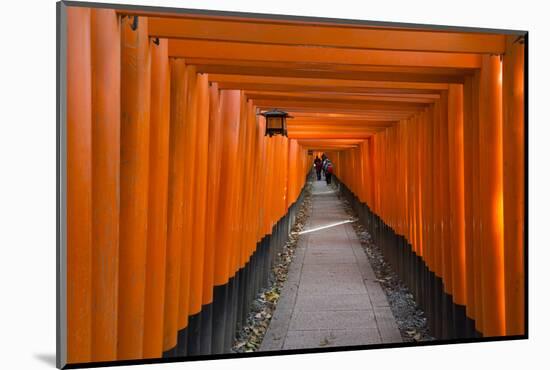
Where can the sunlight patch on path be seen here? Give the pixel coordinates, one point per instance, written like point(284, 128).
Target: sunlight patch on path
point(325, 227)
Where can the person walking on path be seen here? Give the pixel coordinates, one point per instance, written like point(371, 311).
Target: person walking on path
point(328, 171)
point(318, 166)
point(323, 163)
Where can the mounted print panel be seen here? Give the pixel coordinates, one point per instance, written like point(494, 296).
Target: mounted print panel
point(236, 184)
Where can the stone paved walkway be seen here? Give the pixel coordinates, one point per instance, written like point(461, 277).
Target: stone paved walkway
point(331, 297)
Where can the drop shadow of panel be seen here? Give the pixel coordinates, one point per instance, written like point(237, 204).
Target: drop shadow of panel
point(47, 358)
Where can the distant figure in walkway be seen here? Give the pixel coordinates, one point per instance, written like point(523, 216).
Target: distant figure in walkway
point(323, 163)
point(318, 166)
point(328, 171)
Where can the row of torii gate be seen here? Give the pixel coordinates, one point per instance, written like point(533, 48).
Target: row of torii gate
point(425, 128)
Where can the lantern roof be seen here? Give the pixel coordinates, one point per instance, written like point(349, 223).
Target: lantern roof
point(275, 113)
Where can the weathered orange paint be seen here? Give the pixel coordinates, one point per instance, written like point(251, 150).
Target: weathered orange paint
point(176, 178)
point(312, 54)
point(158, 202)
point(479, 271)
point(79, 186)
point(447, 260)
point(337, 97)
point(469, 239)
point(325, 82)
point(513, 188)
point(491, 192)
point(456, 189)
point(199, 178)
point(437, 266)
point(189, 144)
point(215, 133)
point(328, 35)
point(134, 183)
point(237, 218)
point(105, 67)
point(230, 113)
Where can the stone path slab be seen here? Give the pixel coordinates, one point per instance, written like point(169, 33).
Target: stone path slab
point(331, 297)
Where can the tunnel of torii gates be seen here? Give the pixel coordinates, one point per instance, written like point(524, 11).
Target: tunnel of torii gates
point(177, 203)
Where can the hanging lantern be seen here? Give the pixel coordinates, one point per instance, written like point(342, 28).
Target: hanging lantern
point(275, 122)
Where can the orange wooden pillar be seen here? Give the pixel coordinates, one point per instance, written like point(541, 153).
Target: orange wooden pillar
point(514, 192)
point(134, 183)
point(198, 219)
point(456, 189)
point(229, 113)
point(239, 258)
point(261, 178)
point(408, 180)
point(416, 242)
point(79, 186)
point(363, 171)
point(229, 119)
point(284, 179)
point(212, 225)
point(428, 187)
point(105, 181)
point(376, 173)
point(447, 257)
point(251, 174)
point(367, 172)
point(252, 171)
point(479, 270)
point(178, 107)
point(422, 194)
point(189, 143)
point(269, 184)
point(293, 170)
point(402, 185)
point(491, 184)
point(236, 221)
point(158, 201)
point(437, 264)
point(470, 144)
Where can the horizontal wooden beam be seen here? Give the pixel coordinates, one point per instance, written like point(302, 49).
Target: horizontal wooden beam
point(374, 93)
point(324, 74)
point(309, 115)
point(328, 66)
point(330, 147)
point(324, 82)
point(301, 121)
point(328, 135)
point(324, 55)
point(326, 36)
point(327, 105)
point(333, 128)
point(341, 97)
point(332, 101)
point(333, 89)
point(374, 116)
point(330, 141)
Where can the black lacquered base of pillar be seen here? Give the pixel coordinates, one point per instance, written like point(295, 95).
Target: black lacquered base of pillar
point(194, 335)
point(206, 329)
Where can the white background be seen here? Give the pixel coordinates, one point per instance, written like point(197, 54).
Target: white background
point(27, 183)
